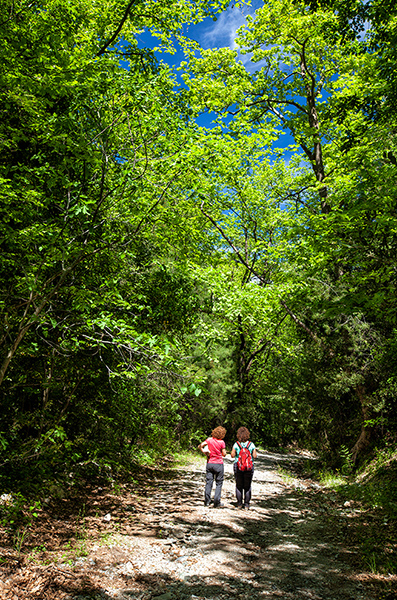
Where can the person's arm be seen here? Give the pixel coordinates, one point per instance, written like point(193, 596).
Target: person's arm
point(254, 452)
point(223, 449)
point(201, 446)
point(233, 453)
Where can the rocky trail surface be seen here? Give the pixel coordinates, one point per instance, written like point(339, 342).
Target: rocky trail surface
point(157, 541)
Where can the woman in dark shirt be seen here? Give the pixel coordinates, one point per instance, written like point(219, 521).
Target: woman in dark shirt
point(243, 478)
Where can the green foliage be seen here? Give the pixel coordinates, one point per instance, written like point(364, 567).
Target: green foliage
point(93, 305)
point(347, 462)
point(316, 237)
point(17, 517)
point(374, 488)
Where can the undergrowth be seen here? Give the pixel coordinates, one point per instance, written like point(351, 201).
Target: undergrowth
point(372, 526)
point(375, 483)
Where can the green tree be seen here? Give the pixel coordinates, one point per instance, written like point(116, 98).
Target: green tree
point(92, 137)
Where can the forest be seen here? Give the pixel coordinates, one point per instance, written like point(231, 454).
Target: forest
point(161, 277)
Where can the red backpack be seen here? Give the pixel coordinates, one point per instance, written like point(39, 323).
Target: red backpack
point(244, 461)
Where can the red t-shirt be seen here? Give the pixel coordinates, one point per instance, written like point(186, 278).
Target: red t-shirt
point(215, 447)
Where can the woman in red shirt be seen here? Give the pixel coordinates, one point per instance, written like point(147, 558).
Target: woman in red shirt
point(214, 469)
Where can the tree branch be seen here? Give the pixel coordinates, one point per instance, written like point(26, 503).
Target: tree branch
point(260, 277)
point(119, 28)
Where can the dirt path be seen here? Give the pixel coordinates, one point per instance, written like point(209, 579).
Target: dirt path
point(161, 543)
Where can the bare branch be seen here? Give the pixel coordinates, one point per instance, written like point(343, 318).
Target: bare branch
point(300, 323)
point(155, 204)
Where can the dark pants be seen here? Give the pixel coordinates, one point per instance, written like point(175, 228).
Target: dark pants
point(243, 485)
point(214, 471)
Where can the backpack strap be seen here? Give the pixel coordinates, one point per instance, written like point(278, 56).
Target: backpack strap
point(241, 447)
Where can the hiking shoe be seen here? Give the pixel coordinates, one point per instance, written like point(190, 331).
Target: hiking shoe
point(219, 505)
point(246, 506)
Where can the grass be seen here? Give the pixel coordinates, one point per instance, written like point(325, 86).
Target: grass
point(183, 459)
point(334, 481)
point(285, 475)
point(375, 484)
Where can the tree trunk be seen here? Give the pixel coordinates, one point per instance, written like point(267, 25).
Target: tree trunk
point(28, 321)
point(11, 352)
point(315, 155)
point(240, 360)
point(366, 430)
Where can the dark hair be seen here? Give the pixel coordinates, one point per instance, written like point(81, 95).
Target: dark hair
point(243, 435)
point(219, 433)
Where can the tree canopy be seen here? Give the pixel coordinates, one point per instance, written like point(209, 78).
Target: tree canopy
point(158, 277)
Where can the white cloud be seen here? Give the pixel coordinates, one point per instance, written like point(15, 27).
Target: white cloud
point(222, 32)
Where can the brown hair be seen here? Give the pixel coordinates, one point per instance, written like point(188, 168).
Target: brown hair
point(219, 433)
point(243, 435)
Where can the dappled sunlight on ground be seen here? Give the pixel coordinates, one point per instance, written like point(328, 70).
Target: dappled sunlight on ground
point(156, 540)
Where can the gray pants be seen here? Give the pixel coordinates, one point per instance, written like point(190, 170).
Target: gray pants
point(214, 471)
